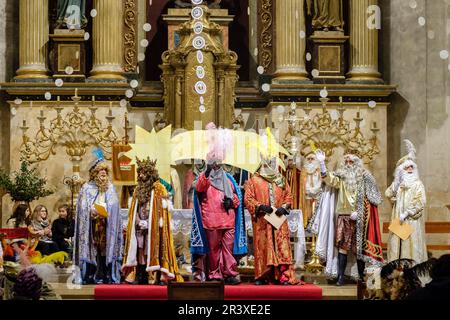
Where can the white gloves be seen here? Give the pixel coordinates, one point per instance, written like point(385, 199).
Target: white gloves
point(143, 225)
point(94, 213)
point(354, 216)
point(403, 217)
point(320, 155)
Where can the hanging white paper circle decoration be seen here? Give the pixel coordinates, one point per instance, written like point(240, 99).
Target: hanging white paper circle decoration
point(197, 12)
point(265, 87)
point(202, 108)
point(198, 27)
point(200, 71)
point(59, 82)
point(134, 83)
point(69, 70)
point(323, 93)
point(197, 2)
point(260, 69)
point(444, 54)
point(147, 27)
point(48, 96)
point(199, 56)
point(200, 87)
point(202, 100)
point(198, 42)
point(129, 93)
point(123, 103)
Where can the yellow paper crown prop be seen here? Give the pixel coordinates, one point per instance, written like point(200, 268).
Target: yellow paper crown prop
point(268, 147)
point(155, 146)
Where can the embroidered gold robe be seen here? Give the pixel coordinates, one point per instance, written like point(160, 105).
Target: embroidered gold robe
point(161, 253)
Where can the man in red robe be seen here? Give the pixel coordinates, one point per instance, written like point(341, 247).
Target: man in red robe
point(267, 189)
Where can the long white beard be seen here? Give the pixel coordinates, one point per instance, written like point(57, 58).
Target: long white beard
point(311, 167)
point(351, 174)
point(409, 179)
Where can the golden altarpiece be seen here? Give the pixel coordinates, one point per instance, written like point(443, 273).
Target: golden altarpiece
point(115, 93)
point(195, 58)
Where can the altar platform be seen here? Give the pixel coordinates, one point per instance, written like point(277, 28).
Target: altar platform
point(92, 292)
point(232, 292)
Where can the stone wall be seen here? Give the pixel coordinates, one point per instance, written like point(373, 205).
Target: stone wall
point(420, 109)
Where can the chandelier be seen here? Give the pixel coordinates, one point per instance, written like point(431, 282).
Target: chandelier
point(76, 131)
point(327, 133)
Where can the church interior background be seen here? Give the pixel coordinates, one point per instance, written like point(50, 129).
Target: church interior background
point(385, 73)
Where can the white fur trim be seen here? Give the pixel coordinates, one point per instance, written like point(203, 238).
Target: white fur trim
point(164, 203)
point(161, 222)
point(152, 268)
point(132, 249)
point(169, 274)
point(149, 234)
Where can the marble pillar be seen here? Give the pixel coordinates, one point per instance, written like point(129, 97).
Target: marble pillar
point(33, 39)
point(107, 41)
point(290, 41)
point(364, 41)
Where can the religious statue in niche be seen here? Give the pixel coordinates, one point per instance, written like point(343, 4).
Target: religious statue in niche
point(213, 4)
point(327, 15)
point(71, 14)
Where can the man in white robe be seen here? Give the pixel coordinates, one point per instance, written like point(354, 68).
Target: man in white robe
point(407, 194)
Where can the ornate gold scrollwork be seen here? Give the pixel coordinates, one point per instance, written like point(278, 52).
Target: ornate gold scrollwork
point(130, 21)
point(327, 133)
point(76, 131)
point(266, 37)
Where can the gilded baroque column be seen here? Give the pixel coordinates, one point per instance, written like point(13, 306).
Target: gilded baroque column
point(33, 39)
point(290, 46)
point(107, 40)
point(363, 43)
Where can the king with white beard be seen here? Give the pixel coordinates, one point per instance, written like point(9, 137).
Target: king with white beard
point(310, 186)
point(407, 194)
point(346, 219)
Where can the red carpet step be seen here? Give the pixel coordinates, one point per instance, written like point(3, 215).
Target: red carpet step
point(238, 292)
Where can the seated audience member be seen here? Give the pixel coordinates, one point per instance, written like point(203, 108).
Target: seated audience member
point(63, 228)
point(40, 229)
point(18, 218)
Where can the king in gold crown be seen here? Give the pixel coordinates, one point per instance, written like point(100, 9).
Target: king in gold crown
point(351, 151)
